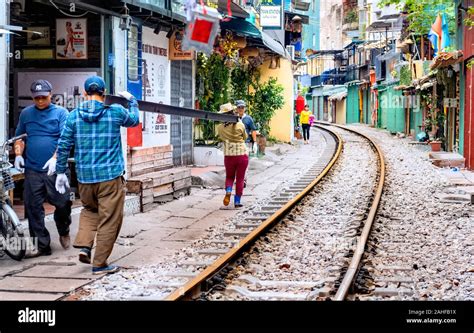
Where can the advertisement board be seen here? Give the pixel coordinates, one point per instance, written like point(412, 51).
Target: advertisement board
point(68, 87)
point(71, 39)
point(271, 14)
point(156, 87)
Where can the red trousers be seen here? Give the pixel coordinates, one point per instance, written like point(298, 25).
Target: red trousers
point(235, 167)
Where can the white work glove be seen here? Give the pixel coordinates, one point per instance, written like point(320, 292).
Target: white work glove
point(255, 148)
point(51, 166)
point(126, 95)
point(19, 163)
point(62, 183)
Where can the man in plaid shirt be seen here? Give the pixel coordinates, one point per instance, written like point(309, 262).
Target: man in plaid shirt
point(94, 131)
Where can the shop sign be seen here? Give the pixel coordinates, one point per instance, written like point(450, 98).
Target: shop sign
point(71, 39)
point(270, 14)
point(38, 54)
point(176, 52)
point(450, 102)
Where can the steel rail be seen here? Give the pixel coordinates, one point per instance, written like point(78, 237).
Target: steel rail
point(152, 107)
point(193, 287)
point(353, 268)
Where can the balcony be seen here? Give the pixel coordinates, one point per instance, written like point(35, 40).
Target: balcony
point(330, 77)
point(333, 77)
point(352, 73)
point(350, 26)
point(316, 81)
point(351, 20)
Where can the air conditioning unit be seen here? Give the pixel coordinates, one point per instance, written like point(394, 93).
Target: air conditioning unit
point(291, 51)
point(302, 5)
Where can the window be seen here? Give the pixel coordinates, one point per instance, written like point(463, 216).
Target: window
point(314, 41)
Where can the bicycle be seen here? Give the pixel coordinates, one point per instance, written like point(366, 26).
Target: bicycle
point(14, 242)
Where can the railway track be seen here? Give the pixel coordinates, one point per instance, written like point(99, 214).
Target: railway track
point(214, 277)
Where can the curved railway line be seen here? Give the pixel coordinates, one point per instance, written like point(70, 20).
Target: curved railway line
point(280, 206)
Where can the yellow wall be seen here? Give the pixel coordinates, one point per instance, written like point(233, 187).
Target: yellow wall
point(281, 126)
point(341, 112)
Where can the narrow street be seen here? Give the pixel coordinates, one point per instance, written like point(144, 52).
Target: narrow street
point(152, 237)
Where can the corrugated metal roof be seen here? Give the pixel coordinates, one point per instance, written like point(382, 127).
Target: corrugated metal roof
point(339, 96)
point(445, 59)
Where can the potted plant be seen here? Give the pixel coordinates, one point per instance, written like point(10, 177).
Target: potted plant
point(436, 144)
point(268, 98)
point(433, 129)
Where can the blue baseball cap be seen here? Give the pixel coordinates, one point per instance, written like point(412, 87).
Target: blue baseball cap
point(240, 103)
point(41, 88)
point(94, 84)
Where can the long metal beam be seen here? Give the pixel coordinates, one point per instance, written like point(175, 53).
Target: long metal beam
point(173, 110)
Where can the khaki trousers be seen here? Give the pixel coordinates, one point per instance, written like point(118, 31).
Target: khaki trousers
point(101, 217)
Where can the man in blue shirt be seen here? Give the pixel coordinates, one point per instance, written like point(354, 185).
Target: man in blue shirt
point(43, 123)
point(250, 127)
point(94, 131)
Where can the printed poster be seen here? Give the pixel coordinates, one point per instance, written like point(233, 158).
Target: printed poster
point(71, 39)
point(37, 39)
point(156, 87)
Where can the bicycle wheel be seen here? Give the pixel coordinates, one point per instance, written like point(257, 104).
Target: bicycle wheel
point(14, 243)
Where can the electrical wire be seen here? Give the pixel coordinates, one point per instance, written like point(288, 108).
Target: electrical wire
point(65, 13)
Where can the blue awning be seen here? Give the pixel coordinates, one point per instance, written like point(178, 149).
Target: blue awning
point(274, 45)
point(241, 28)
point(245, 28)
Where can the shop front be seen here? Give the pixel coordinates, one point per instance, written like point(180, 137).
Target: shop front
point(68, 51)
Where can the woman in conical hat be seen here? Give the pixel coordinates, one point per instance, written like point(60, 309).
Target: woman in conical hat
point(236, 158)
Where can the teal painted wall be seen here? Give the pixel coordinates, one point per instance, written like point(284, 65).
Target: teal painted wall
point(383, 108)
point(396, 113)
point(391, 111)
point(321, 108)
point(352, 104)
point(416, 119)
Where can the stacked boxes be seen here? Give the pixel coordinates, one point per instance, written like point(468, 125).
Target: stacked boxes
point(142, 160)
point(160, 186)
